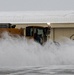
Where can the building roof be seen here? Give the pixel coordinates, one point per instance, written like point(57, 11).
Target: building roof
point(37, 17)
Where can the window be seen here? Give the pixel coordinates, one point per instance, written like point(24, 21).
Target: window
point(29, 31)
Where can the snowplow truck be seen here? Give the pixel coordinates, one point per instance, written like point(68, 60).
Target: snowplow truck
point(38, 33)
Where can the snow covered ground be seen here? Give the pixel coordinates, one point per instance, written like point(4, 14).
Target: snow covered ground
point(19, 56)
point(51, 70)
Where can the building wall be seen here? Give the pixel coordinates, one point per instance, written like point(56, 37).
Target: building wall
point(30, 24)
point(62, 30)
point(62, 25)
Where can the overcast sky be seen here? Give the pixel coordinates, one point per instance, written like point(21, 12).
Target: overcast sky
point(36, 5)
